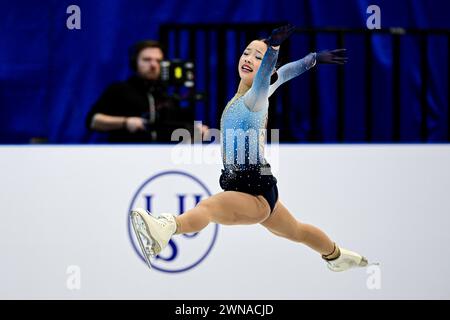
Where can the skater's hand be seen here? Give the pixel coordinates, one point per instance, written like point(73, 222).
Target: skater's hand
point(280, 34)
point(336, 56)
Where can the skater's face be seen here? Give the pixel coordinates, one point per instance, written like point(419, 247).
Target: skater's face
point(250, 61)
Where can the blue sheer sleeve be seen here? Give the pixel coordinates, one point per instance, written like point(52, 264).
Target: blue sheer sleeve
point(256, 98)
point(292, 70)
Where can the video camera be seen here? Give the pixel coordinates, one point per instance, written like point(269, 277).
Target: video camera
point(178, 73)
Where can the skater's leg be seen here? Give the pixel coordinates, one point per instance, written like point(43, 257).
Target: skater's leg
point(282, 223)
point(228, 208)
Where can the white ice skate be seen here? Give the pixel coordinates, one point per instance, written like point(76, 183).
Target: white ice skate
point(153, 233)
point(347, 260)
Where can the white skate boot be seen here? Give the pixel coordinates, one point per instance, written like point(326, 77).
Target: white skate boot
point(347, 260)
point(153, 233)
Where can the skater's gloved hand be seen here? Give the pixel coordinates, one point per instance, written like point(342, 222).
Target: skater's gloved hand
point(280, 34)
point(336, 56)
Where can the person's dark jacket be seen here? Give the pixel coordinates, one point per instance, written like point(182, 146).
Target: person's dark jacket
point(130, 99)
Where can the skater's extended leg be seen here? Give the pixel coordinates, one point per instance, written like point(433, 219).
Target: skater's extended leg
point(228, 208)
point(282, 223)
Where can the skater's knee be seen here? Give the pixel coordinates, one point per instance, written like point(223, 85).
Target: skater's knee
point(301, 233)
point(293, 232)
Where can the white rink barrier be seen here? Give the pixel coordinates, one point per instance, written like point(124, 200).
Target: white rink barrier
point(65, 234)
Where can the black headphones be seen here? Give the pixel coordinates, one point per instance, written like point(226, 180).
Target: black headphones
point(132, 62)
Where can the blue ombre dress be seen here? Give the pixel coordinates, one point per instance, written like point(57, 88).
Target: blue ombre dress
point(243, 127)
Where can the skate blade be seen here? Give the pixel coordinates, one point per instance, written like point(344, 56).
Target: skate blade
point(145, 241)
point(364, 262)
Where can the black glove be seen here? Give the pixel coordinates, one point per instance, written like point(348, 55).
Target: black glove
point(280, 34)
point(336, 56)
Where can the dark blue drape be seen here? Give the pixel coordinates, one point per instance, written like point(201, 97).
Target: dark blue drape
point(50, 76)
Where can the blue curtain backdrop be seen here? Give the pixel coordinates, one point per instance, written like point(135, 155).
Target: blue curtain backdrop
point(50, 76)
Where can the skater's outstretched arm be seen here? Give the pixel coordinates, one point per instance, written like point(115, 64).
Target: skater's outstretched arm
point(292, 70)
point(256, 98)
point(296, 68)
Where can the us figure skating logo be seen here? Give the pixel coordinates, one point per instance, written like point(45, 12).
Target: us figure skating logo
point(175, 192)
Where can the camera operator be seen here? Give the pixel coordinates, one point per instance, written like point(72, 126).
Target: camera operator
point(139, 110)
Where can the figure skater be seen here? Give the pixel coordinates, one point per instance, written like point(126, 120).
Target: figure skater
point(250, 193)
